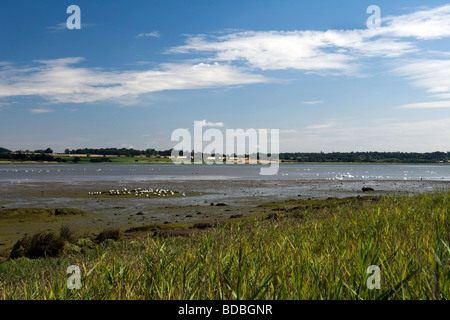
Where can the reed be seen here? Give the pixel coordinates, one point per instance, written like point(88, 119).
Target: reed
point(318, 253)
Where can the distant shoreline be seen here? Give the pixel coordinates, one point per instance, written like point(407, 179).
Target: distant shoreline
point(161, 161)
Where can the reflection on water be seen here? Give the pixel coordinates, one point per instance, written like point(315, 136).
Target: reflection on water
point(74, 173)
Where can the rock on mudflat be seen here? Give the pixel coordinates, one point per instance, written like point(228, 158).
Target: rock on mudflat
point(220, 204)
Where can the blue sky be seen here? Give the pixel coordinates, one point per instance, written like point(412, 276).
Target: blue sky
point(138, 70)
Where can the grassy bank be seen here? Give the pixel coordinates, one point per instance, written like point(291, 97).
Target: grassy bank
point(316, 251)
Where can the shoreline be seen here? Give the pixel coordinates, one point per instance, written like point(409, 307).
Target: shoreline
point(206, 202)
point(170, 162)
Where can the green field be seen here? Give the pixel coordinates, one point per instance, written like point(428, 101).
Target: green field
point(316, 251)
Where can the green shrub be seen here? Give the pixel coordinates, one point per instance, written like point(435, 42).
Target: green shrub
point(40, 245)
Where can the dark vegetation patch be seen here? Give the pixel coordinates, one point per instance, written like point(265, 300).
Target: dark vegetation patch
point(169, 230)
point(42, 244)
point(203, 225)
point(69, 212)
point(297, 208)
point(33, 212)
point(46, 244)
point(109, 234)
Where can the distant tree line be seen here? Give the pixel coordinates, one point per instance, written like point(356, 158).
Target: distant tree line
point(120, 152)
point(371, 157)
point(38, 155)
point(389, 157)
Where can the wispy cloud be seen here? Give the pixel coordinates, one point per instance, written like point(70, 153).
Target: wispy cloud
point(432, 75)
point(289, 131)
point(323, 51)
point(313, 102)
point(310, 51)
point(39, 111)
point(426, 105)
point(56, 28)
point(212, 124)
point(425, 24)
point(239, 57)
point(63, 26)
point(323, 125)
point(59, 81)
point(153, 34)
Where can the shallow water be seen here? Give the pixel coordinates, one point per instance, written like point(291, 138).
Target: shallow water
point(76, 173)
point(241, 187)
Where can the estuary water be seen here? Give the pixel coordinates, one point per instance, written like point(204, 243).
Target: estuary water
point(79, 173)
point(241, 187)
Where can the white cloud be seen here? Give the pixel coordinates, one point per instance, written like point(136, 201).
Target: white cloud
point(289, 131)
point(426, 105)
point(270, 50)
point(442, 96)
point(212, 124)
point(340, 52)
point(323, 51)
point(39, 111)
point(323, 125)
point(153, 34)
point(432, 75)
point(313, 102)
point(311, 51)
point(424, 24)
point(63, 26)
point(58, 81)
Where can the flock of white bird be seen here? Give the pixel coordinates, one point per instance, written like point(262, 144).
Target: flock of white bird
point(140, 192)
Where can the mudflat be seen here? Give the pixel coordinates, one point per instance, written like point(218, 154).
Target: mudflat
point(30, 207)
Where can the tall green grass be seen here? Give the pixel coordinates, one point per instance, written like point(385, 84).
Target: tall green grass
point(315, 254)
